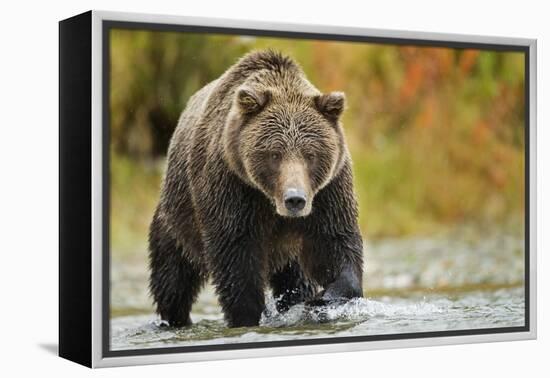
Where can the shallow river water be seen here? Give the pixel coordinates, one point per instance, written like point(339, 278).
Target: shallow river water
point(416, 285)
point(385, 315)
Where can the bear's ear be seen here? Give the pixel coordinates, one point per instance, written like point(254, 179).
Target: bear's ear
point(331, 105)
point(251, 101)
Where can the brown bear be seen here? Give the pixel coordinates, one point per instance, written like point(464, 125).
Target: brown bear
point(258, 192)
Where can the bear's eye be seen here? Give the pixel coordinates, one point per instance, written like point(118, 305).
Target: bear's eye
point(275, 156)
point(309, 156)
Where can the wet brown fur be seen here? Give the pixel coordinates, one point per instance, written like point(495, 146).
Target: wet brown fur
point(241, 140)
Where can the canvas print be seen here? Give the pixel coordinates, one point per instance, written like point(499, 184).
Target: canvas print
point(285, 189)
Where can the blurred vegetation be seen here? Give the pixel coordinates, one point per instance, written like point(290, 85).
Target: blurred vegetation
point(436, 134)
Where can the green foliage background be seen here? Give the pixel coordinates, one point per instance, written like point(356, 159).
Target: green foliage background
point(436, 134)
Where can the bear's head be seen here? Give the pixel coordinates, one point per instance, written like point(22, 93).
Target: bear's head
point(285, 141)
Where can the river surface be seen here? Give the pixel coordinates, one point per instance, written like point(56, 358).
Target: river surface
point(452, 282)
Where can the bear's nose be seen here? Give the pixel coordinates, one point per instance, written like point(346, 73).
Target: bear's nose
point(295, 199)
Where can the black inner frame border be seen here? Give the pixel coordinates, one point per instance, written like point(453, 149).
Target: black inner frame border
point(108, 25)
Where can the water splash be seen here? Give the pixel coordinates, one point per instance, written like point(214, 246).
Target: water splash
point(358, 317)
point(356, 310)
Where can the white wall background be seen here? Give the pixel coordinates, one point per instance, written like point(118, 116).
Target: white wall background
point(29, 174)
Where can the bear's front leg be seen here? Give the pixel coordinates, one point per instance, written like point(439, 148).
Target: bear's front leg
point(346, 286)
point(337, 264)
point(237, 275)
